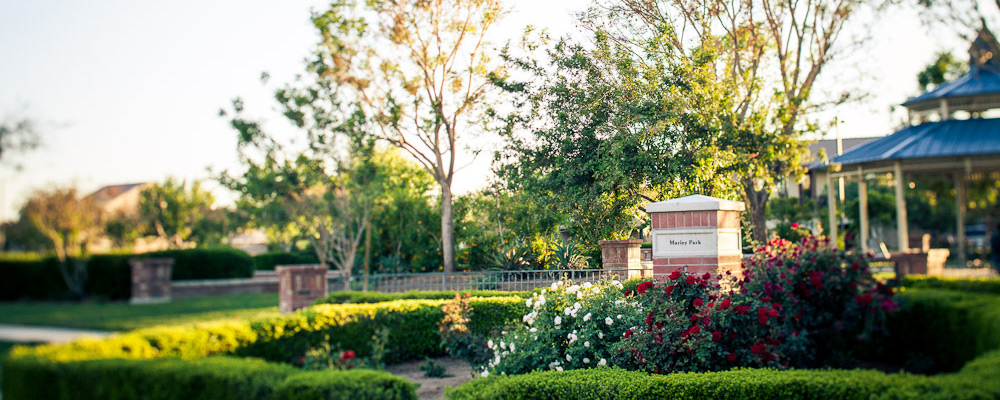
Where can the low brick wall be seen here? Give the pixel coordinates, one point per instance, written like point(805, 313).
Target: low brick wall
point(221, 287)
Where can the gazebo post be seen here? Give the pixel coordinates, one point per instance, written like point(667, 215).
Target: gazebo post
point(960, 215)
point(863, 205)
point(831, 202)
point(902, 230)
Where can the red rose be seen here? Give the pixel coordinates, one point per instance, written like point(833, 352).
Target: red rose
point(348, 355)
point(795, 225)
point(643, 287)
point(694, 318)
point(689, 280)
point(698, 302)
point(731, 357)
point(649, 319)
point(675, 275)
point(695, 329)
point(716, 336)
point(668, 290)
point(864, 299)
point(758, 348)
point(707, 276)
point(628, 333)
point(628, 292)
point(772, 313)
point(725, 304)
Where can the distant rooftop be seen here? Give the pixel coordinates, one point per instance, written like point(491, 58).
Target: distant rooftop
point(830, 146)
point(108, 193)
point(983, 78)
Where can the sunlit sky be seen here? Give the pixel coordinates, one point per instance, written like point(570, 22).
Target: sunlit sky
point(129, 91)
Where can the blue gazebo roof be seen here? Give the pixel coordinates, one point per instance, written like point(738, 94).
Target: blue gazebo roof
point(951, 138)
point(981, 80)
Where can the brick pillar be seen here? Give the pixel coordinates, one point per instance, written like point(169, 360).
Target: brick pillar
point(622, 254)
point(151, 280)
point(696, 234)
point(300, 286)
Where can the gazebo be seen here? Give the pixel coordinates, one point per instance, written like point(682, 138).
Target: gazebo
point(951, 131)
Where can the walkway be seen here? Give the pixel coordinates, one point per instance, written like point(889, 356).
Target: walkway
point(44, 334)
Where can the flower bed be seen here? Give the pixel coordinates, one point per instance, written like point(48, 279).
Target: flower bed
point(935, 330)
point(164, 359)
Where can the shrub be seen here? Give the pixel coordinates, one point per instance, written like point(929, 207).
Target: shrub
point(980, 380)
point(208, 378)
point(267, 261)
point(109, 275)
point(948, 326)
point(357, 297)
point(988, 286)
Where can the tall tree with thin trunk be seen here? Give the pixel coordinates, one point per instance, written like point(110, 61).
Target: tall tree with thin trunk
point(418, 70)
point(767, 56)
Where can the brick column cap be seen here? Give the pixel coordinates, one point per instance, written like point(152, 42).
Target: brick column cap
point(279, 268)
point(637, 242)
point(695, 202)
point(150, 261)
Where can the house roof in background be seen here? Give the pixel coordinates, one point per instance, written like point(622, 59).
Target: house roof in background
point(110, 192)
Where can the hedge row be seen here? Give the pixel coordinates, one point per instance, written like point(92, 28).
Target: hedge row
point(934, 331)
point(986, 286)
point(413, 334)
point(212, 378)
point(979, 380)
point(356, 297)
point(267, 261)
point(109, 275)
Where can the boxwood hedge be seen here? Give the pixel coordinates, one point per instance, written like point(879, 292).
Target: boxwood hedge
point(176, 355)
point(943, 330)
point(109, 275)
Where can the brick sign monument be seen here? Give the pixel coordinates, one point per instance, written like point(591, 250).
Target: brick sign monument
point(151, 280)
point(695, 234)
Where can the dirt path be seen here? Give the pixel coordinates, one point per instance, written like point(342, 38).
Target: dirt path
point(459, 372)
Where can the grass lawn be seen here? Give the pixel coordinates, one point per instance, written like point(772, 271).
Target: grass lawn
point(124, 316)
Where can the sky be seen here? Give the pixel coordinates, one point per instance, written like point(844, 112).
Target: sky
point(130, 91)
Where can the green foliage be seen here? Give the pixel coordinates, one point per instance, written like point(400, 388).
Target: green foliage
point(494, 218)
point(174, 209)
point(342, 297)
point(434, 370)
point(944, 69)
point(566, 254)
point(516, 256)
point(980, 379)
point(984, 286)
point(109, 275)
point(207, 378)
point(947, 328)
point(267, 261)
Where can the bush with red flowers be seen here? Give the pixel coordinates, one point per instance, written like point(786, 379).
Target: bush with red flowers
point(795, 306)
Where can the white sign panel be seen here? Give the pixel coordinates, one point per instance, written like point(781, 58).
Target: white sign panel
point(685, 243)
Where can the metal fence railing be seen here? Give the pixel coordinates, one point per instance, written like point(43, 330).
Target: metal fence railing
point(482, 280)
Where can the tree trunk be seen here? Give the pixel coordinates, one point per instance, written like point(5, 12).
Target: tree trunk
point(447, 229)
point(756, 203)
point(368, 254)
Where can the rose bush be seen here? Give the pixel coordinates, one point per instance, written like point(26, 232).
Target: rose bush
point(794, 306)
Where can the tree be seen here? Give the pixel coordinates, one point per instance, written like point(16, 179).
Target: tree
point(417, 70)
point(70, 223)
point(17, 135)
point(600, 131)
point(764, 55)
point(944, 69)
point(173, 209)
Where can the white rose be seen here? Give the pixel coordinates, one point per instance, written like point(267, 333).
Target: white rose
point(527, 303)
point(619, 316)
point(533, 330)
point(558, 320)
point(600, 335)
point(485, 373)
point(609, 321)
point(512, 347)
point(586, 344)
point(586, 360)
point(569, 357)
point(559, 369)
point(555, 285)
point(602, 362)
point(586, 317)
point(489, 343)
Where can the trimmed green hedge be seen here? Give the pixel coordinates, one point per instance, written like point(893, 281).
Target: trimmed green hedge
point(162, 358)
point(979, 380)
point(267, 261)
point(109, 275)
point(356, 297)
point(212, 378)
point(935, 330)
point(986, 286)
